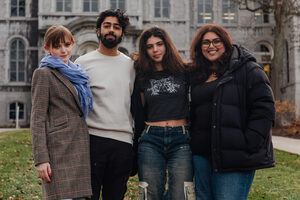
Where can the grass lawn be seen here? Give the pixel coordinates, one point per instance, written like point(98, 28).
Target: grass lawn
point(19, 180)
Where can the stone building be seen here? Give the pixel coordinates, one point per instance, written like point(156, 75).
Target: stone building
point(290, 81)
point(23, 24)
point(18, 58)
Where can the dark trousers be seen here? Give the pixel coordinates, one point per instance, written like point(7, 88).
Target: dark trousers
point(111, 163)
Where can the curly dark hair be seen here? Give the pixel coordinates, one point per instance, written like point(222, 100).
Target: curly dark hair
point(122, 18)
point(200, 65)
point(172, 60)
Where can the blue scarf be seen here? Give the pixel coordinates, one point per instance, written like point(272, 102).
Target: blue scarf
point(76, 75)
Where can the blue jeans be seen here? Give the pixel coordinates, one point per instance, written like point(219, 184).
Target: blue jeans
point(220, 186)
point(165, 152)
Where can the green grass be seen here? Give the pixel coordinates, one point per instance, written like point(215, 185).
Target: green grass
point(19, 179)
point(278, 183)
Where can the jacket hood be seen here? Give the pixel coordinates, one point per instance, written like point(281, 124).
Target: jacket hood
point(239, 57)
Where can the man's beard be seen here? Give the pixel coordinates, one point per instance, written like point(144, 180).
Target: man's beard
point(110, 43)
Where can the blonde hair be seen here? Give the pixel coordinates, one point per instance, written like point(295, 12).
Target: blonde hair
point(56, 34)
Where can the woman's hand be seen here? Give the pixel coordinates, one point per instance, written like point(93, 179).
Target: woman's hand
point(44, 171)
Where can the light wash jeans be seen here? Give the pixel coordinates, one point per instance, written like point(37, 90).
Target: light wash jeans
point(164, 156)
point(220, 186)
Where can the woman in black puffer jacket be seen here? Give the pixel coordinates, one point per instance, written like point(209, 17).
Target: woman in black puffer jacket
point(232, 112)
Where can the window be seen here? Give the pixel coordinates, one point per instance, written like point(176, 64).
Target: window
point(205, 14)
point(17, 8)
point(263, 52)
point(117, 4)
point(261, 17)
point(287, 62)
point(63, 5)
point(162, 8)
point(13, 110)
point(229, 9)
point(263, 55)
point(87, 47)
point(90, 5)
point(17, 61)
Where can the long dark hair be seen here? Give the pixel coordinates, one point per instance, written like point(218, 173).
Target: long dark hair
point(172, 60)
point(200, 65)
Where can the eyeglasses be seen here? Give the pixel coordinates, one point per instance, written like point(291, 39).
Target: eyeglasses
point(216, 42)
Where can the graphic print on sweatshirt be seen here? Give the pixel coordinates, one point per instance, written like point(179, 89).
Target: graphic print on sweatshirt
point(164, 85)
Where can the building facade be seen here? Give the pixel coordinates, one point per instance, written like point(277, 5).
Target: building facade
point(18, 58)
point(24, 22)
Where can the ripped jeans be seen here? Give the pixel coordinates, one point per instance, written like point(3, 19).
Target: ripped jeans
point(164, 156)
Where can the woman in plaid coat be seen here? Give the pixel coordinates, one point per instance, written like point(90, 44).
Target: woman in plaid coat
point(61, 99)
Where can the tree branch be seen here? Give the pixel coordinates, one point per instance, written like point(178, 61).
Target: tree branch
point(294, 7)
point(265, 6)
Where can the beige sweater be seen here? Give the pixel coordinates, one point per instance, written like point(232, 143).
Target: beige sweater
point(111, 79)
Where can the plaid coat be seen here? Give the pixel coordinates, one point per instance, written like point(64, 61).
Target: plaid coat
point(60, 135)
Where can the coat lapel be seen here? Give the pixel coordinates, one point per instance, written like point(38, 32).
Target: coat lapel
point(69, 85)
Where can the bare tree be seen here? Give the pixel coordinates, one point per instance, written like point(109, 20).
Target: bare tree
point(282, 11)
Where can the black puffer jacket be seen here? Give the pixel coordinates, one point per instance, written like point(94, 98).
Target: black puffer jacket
point(242, 116)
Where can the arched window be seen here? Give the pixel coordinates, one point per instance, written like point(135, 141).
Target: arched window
point(13, 110)
point(87, 47)
point(117, 4)
point(17, 61)
point(264, 54)
point(17, 8)
point(84, 48)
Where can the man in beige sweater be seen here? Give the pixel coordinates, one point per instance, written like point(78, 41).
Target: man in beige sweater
point(110, 123)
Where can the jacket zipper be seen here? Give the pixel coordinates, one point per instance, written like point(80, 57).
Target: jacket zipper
point(215, 127)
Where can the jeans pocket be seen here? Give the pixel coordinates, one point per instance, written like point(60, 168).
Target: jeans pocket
point(189, 191)
point(187, 137)
point(142, 136)
point(143, 187)
point(186, 133)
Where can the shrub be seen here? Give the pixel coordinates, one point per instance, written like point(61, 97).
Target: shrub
point(286, 115)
